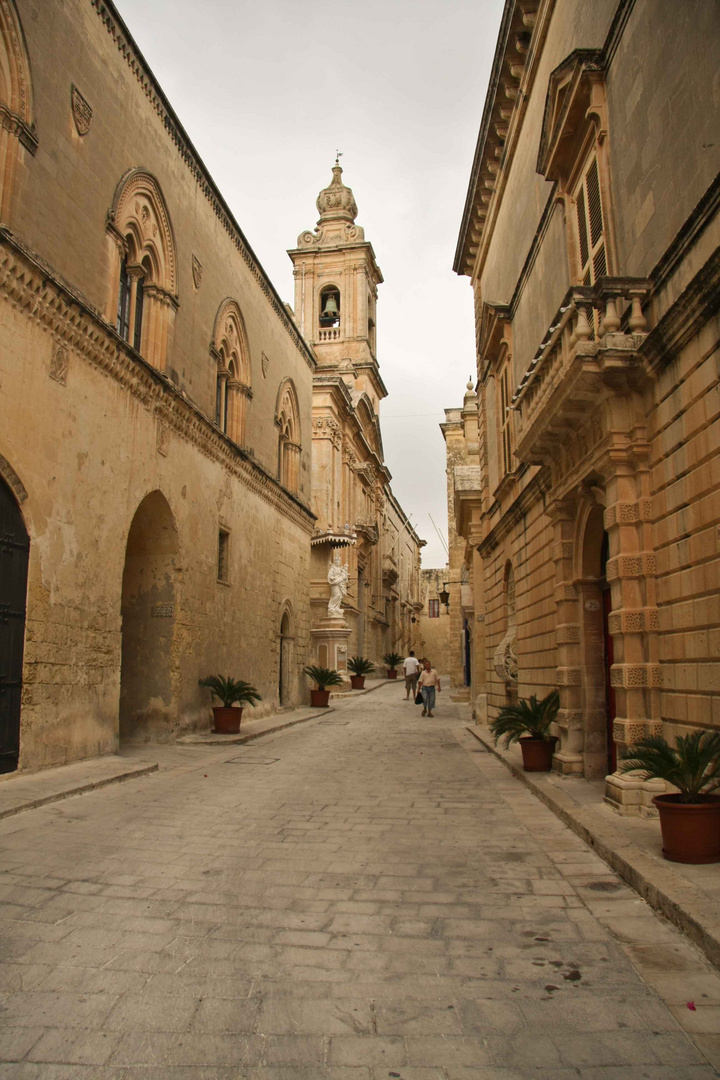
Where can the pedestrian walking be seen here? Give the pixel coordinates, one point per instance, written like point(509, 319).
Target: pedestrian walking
point(429, 681)
point(411, 667)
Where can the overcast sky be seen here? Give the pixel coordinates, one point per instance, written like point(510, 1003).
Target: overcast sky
point(269, 90)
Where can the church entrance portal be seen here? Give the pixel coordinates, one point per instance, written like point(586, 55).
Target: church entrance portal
point(148, 622)
point(598, 696)
point(14, 555)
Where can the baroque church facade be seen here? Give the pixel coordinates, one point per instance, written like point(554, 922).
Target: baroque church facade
point(159, 410)
point(357, 516)
point(583, 465)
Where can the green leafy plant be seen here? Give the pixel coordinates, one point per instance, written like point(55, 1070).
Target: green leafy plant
point(358, 665)
point(323, 676)
point(527, 717)
point(692, 765)
point(231, 691)
point(392, 659)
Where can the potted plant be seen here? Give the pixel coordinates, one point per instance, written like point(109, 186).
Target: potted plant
point(528, 722)
point(230, 692)
point(392, 659)
point(359, 667)
point(324, 677)
point(690, 818)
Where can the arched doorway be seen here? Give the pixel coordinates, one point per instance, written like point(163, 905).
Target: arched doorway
point(148, 622)
point(285, 666)
point(14, 556)
point(597, 695)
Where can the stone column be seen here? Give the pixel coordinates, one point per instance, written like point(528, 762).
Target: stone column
point(569, 756)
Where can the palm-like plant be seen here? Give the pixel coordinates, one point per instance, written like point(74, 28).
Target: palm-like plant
point(231, 691)
point(358, 665)
point(323, 676)
point(692, 766)
point(392, 659)
point(527, 717)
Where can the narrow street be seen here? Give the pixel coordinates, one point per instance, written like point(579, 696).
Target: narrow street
point(367, 895)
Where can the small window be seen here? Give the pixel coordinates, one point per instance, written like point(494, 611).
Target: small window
point(506, 419)
point(223, 564)
point(123, 312)
point(590, 226)
point(433, 609)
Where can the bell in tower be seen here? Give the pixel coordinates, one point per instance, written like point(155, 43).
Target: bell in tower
point(330, 308)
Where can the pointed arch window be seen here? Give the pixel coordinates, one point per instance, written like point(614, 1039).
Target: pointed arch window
point(232, 371)
point(142, 291)
point(17, 127)
point(287, 419)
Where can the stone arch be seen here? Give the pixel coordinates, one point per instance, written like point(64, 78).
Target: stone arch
point(287, 420)
point(12, 479)
point(17, 127)
point(142, 296)
point(230, 351)
point(147, 679)
point(286, 695)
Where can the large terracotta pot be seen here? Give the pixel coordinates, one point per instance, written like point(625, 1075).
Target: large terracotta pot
point(357, 682)
point(537, 753)
point(319, 698)
point(392, 673)
point(227, 721)
point(690, 831)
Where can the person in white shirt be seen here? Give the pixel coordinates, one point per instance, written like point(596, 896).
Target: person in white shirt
point(429, 682)
point(411, 667)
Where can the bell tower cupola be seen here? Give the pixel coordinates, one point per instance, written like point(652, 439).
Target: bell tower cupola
point(336, 280)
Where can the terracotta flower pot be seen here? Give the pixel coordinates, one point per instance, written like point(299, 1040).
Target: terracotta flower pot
point(690, 831)
point(319, 698)
point(357, 682)
point(392, 673)
point(537, 753)
point(227, 721)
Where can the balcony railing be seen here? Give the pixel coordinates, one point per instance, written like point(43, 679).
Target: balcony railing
point(332, 334)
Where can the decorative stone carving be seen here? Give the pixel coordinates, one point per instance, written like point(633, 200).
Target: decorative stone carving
point(265, 364)
point(338, 575)
point(59, 363)
point(197, 271)
point(82, 111)
point(505, 659)
point(162, 438)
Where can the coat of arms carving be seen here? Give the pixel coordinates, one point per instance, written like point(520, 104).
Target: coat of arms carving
point(265, 362)
point(82, 112)
point(59, 362)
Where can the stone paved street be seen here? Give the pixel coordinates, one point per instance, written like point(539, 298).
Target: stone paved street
point(368, 895)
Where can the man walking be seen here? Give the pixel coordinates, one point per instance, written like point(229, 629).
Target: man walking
point(429, 681)
point(411, 667)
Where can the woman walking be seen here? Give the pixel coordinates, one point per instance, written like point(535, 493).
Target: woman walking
point(429, 680)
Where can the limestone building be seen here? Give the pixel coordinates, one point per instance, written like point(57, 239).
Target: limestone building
point(155, 411)
point(586, 488)
point(358, 518)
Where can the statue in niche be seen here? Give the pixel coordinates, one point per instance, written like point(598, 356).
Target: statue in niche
point(338, 581)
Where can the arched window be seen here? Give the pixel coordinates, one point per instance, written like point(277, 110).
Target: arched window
point(329, 307)
point(232, 379)
point(143, 293)
point(17, 130)
point(287, 419)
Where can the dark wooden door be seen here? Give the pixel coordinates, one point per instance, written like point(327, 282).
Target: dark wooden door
point(14, 553)
point(609, 690)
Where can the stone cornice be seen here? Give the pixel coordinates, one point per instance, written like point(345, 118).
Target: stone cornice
point(27, 284)
point(187, 152)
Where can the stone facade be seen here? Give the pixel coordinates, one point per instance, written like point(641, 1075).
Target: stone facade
point(155, 410)
point(587, 490)
point(434, 621)
point(336, 280)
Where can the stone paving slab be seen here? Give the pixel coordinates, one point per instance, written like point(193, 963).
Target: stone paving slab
point(361, 900)
point(27, 792)
point(687, 895)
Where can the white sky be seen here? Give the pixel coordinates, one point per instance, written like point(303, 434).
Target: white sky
point(269, 90)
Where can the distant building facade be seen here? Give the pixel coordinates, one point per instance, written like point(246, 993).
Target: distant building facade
point(336, 283)
point(588, 489)
point(155, 411)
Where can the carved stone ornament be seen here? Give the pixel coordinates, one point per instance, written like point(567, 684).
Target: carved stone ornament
point(82, 112)
point(265, 364)
point(162, 438)
point(505, 658)
point(197, 271)
point(59, 362)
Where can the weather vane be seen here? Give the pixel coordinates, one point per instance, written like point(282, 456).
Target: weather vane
point(338, 155)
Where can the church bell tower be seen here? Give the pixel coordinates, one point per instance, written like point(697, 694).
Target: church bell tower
point(336, 280)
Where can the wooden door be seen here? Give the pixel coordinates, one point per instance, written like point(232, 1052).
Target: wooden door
point(14, 555)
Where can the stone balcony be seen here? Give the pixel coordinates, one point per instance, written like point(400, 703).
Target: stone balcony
point(589, 350)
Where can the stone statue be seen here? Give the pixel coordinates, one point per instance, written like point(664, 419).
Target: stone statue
point(338, 582)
